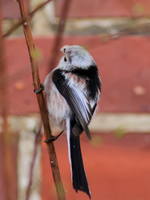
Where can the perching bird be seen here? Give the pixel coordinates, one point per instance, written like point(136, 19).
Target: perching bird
point(72, 90)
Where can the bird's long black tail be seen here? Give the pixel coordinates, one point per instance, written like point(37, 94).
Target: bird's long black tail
point(78, 173)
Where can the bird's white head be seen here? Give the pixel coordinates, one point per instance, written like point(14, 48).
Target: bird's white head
point(75, 56)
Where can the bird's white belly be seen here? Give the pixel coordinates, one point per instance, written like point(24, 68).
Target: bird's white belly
point(58, 109)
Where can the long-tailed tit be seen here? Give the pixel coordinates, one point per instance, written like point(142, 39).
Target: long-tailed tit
point(72, 90)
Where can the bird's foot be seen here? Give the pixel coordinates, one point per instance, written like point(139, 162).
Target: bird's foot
point(39, 90)
point(53, 138)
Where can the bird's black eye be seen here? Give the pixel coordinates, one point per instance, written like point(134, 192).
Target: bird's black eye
point(65, 59)
point(64, 50)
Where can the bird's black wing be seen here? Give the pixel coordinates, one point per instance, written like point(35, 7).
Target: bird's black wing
point(75, 97)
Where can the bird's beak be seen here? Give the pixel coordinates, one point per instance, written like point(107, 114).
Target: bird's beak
point(66, 53)
point(62, 49)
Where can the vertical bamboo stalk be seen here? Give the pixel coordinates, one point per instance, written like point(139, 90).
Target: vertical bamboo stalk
point(41, 102)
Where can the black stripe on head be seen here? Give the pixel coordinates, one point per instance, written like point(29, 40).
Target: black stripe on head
point(91, 76)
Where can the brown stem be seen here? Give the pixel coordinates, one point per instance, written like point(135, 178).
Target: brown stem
point(21, 21)
point(37, 141)
point(41, 102)
point(60, 30)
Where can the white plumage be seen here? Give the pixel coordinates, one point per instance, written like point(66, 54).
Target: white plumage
point(72, 90)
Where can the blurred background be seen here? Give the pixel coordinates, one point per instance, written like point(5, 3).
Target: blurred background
point(117, 160)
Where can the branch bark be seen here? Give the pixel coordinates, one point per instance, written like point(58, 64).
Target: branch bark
point(60, 30)
point(37, 141)
point(21, 21)
point(41, 102)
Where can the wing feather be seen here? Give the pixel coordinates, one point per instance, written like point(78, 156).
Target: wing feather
point(75, 98)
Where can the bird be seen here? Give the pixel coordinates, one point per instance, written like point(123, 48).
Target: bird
point(72, 90)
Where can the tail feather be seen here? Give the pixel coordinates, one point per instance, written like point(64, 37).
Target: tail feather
point(78, 173)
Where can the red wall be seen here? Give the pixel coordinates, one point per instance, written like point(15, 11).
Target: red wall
point(124, 65)
point(106, 8)
point(116, 169)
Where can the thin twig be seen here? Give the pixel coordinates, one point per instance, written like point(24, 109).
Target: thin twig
point(60, 30)
point(41, 102)
point(37, 141)
point(21, 21)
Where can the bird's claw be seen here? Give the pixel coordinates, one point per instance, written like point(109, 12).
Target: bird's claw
point(39, 90)
point(52, 138)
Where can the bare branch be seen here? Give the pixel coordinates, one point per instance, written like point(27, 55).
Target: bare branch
point(41, 102)
point(37, 141)
point(21, 21)
point(60, 30)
